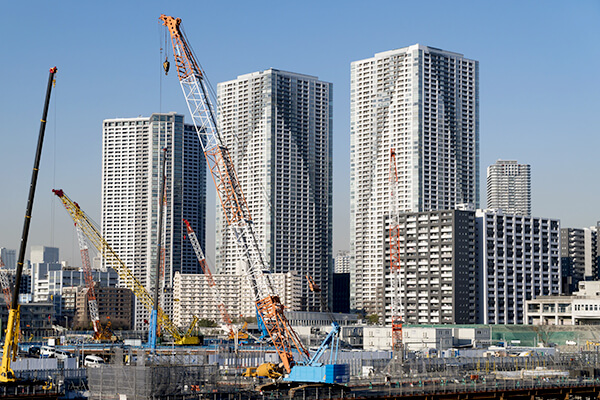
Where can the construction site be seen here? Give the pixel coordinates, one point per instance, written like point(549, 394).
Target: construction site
point(175, 363)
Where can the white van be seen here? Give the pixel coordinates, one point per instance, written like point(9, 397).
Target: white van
point(61, 355)
point(93, 361)
point(46, 351)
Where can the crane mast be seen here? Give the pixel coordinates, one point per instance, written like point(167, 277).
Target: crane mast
point(395, 270)
point(89, 282)
point(5, 283)
point(195, 91)
point(128, 280)
point(11, 340)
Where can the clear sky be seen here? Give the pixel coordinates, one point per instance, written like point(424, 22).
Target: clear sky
point(539, 87)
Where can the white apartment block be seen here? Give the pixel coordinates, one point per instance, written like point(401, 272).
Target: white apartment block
point(341, 262)
point(277, 126)
point(131, 180)
point(424, 103)
point(509, 187)
point(519, 260)
point(582, 308)
point(194, 297)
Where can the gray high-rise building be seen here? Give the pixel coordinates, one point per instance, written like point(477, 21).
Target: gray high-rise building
point(9, 257)
point(509, 187)
point(579, 256)
point(438, 268)
point(519, 260)
point(278, 127)
point(131, 181)
point(422, 102)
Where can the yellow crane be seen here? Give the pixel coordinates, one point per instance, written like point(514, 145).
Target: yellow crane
point(11, 340)
point(92, 232)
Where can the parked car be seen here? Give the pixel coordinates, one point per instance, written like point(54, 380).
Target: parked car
point(61, 354)
point(93, 361)
point(47, 351)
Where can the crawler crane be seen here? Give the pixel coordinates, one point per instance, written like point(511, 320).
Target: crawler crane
point(236, 212)
point(91, 231)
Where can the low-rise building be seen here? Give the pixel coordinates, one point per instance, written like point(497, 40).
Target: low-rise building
point(194, 296)
point(114, 305)
point(581, 308)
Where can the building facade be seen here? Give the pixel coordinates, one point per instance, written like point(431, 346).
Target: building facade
point(579, 256)
point(422, 102)
point(581, 308)
point(9, 257)
point(115, 305)
point(519, 260)
point(438, 268)
point(131, 180)
point(341, 262)
point(278, 127)
point(194, 296)
point(509, 187)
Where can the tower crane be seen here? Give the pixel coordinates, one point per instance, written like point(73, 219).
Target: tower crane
point(395, 270)
point(237, 214)
point(11, 340)
point(92, 233)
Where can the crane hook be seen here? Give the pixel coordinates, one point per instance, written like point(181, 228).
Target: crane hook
point(166, 66)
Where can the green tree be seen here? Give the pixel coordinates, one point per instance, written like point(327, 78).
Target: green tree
point(372, 319)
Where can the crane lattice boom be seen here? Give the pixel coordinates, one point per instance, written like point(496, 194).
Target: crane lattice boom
point(128, 280)
point(211, 282)
point(236, 211)
point(395, 271)
point(89, 282)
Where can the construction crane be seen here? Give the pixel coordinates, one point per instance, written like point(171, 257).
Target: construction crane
point(11, 340)
point(5, 283)
point(395, 270)
point(128, 280)
point(211, 282)
point(270, 309)
point(99, 332)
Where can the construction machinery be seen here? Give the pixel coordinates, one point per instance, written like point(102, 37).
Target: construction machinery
point(395, 254)
point(231, 330)
point(236, 212)
point(5, 283)
point(100, 333)
point(11, 340)
point(92, 233)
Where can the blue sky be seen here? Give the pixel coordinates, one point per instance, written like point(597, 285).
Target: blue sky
point(539, 87)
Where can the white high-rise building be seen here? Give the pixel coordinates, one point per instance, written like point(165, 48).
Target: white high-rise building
point(509, 187)
point(422, 102)
point(131, 181)
point(278, 126)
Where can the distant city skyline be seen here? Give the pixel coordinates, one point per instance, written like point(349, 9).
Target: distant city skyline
point(537, 103)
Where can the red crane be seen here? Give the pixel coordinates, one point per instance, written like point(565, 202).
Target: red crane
point(395, 271)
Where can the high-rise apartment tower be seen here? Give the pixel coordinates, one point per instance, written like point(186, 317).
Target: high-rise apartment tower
point(424, 103)
point(509, 187)
point(131, 181)
point(278, 126)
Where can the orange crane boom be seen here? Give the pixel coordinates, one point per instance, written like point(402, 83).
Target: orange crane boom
point(395, 271)
point(236, 211)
